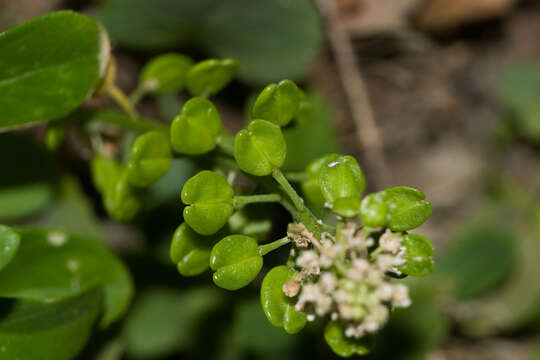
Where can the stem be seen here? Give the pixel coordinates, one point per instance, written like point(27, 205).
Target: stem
point(289, 190)
point(296, 176)
point(121, 99)
point(303, 214)
point(266, 248)
point(138, 94)
point(240, 201)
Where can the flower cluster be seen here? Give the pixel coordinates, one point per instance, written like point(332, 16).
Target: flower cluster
point(347, 277)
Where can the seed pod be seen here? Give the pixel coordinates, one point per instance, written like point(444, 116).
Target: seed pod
point(311, 187)
point(277, 103)
point(196, 130)
point(210, 76)
point(236, 261)
point(150, 159)
point(341, 181)
point(210, 200)
point(278, 307)
point(417, 256)
point(165, 73)
point(260, 148)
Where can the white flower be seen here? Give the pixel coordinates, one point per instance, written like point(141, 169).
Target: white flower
point(309, 260)
point(400, 297)
point(390, 242)
point(384, 292)
point(327, 282)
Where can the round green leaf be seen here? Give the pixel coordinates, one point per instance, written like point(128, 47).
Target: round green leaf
point(348, 207)
point(236, 261)
point(105, 171)
point(260, 148)
point(9, 244)
point(191, 251)
point(39, 330)
point(54, 265)
point(342, 345)
point(278, 104)
point(210, 76)
point(341, 178)
point(196, 130)
point(166, 73)
point(49, 66)
point(278, 307)
point(210, 200)
point(150, 159)
point(311, 187)
point(417, 256)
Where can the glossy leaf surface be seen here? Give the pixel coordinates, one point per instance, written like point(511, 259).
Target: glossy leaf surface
point(166, 73)
point(277, 103)
point(418, 253)
point(210, 76)
point(150, 159)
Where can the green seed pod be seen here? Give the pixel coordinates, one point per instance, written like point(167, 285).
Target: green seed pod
point(418, 252)
point(343, 179)
point(236, 261)
point(277, 103)
point(400, 208)
point(345, 346)
point(166, 73)
point(196, 130)
point(260, 148)
point(210, 200)
point(191, 251)
point(210, 76)
point(120, 200)
point(105, 171)
point(150, 159)
point(311, 187)
point(407, 208)
point(278, 307)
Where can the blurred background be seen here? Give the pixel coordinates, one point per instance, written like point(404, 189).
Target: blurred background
point(442, 95)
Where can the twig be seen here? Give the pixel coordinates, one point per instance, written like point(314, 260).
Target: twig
point(355, 90)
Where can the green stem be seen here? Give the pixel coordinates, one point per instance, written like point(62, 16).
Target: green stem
point(240, 201)
point(296, 176)
point(121, 99)
point(138, 94)
point(266, 248)
point(303, 214)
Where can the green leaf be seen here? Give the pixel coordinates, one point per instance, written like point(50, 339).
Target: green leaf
point(98, 118)
point(261, 35)
point(418, 252)
point(37, 330)
point(342, 179)
point(191, 251)
point(210, 200)
point(166, 73)
point(150, 159)
point(49, 66)
point(68, 265)
point(277, 103)
point(196, 130)
point(260, 149)
point(279, 308)
point(9, 244)
point(271, 40)
point(236, 261)
point(105, 171)
point(473, 275)
point(342, 345)
point(163, 320)
point(24, 190)
point(210, 76)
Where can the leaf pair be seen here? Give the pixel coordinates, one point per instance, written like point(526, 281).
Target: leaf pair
point(277, 103)
point(191, 251)
point(400, 208)
point(417, 255)
point(344, 346)
point(150, 159)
